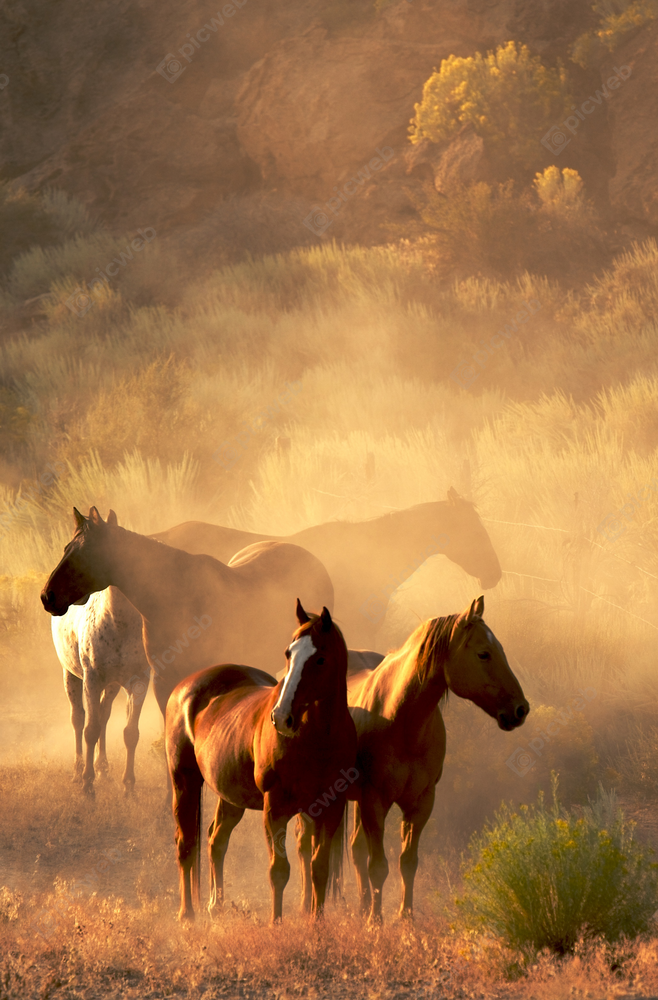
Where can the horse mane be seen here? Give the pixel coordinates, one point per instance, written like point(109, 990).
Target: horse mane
point(431, 640)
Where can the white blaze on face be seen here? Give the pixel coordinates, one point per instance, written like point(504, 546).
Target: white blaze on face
point(301, 651)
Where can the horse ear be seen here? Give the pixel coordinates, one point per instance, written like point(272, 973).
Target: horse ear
point(476, 610)
point(112, 519)
point(325, 618)
point(95, 517)
point(80, 519)
point(302, 617)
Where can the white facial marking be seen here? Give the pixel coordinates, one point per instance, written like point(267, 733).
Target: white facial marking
point(301, 651)
point(488, 634)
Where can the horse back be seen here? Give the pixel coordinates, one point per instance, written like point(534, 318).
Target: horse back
point(281, 568)
point(199, 538)
point(211, 720)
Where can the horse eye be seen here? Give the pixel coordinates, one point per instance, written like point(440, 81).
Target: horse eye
point(484, 656)
point(320, 661)
point(287, 654)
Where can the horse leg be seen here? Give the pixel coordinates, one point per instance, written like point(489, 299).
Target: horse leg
point(413, 824)
point(359, 847)
point(304, 834)
point(373, 817)
point(187, 785)
point(107, 699)
point(324, 831)
point(275, 833)
point(92, 729)
point(73, 687)
point(131, 735)
point(226, 819)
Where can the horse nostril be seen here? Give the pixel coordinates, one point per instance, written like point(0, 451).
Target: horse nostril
point(521, 712)
point(289, 722)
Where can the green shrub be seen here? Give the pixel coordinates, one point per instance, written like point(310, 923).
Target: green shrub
point(509, 97)
point(499, 231)
point(544, 878)
point(617, 18)
point(34, 271)
point(28, 220)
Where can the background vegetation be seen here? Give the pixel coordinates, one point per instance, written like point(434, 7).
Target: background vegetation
point(505, 345)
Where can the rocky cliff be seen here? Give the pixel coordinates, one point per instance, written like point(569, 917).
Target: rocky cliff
point(246, 119)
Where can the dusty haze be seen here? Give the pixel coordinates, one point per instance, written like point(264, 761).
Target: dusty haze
point(323, 321)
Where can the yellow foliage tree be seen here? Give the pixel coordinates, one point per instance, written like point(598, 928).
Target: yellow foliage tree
point(508, 96)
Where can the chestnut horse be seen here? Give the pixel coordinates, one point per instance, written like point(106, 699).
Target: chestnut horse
point(402, 738)
point(195, 610)
point(280, 747)
point(368, 560)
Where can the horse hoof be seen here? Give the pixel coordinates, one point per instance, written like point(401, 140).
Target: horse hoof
point(89, 791)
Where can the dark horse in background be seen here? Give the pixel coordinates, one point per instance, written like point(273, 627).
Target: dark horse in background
point(260, 745)
point(368, 560)
point(195, 611)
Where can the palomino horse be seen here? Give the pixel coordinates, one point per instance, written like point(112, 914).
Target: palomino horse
point(101, 651)
point(402, 738)
point(195, 610)
point(280, 747)
point(368, 560)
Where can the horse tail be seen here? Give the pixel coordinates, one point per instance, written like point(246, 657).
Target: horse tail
point(337, 856)
point(195, 870)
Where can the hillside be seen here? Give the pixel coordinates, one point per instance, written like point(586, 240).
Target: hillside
point(237, 136)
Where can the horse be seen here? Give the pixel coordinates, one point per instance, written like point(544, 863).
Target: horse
point(279, 747)
point(100, 648)
point(195, 611)
point(368, 560)
point(402, 738)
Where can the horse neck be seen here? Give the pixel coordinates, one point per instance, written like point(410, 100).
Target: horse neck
point(412, 698)
point(410, 536)
point(145, 570)
point(330, 707)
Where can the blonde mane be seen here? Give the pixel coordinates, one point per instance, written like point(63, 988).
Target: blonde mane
point(431, 640)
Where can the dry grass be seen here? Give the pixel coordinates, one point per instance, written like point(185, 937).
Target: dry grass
point(74, 925)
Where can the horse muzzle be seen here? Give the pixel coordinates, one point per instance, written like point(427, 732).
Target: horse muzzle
point(284, 724)
point(50, 604)
point(515, 718)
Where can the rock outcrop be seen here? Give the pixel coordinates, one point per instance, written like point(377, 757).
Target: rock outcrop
point(153, 119)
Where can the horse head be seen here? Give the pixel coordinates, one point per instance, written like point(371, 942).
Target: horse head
point(317, 667)
point(81, 570)
point(477, 669)
point(469, 544)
